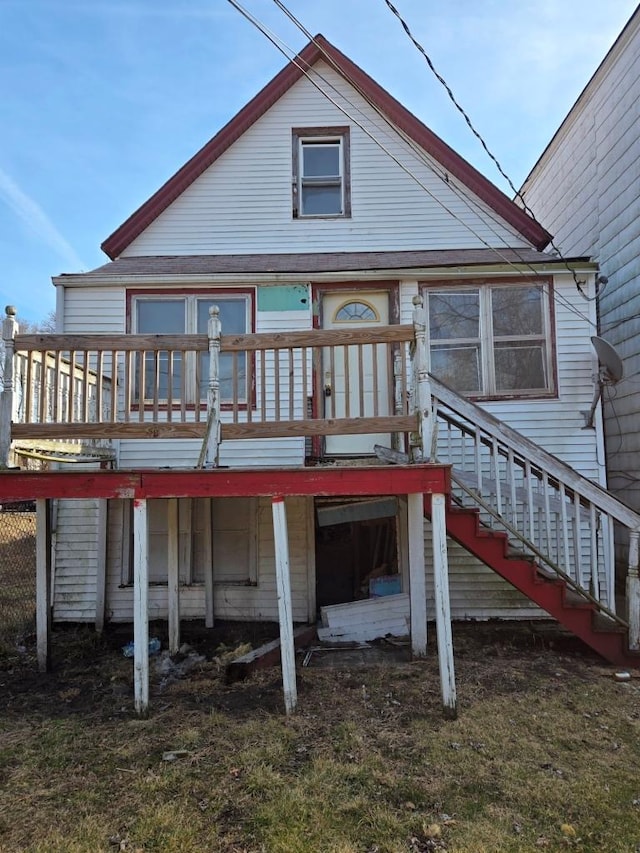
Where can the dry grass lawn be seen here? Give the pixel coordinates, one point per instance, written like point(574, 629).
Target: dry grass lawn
point(545, 755)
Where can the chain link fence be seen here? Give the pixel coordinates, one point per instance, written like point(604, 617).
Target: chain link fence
point(17, 572)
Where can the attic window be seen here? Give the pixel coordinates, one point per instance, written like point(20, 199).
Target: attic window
point(321, 172)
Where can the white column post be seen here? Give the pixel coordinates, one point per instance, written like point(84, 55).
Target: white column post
point(422, 450)
point(209, 619)
point(417, 579)
point(101, 567)
point(9, 331)
point(285, 613)
point(173, 575)
point(212, 438)
point(443, 607)
point(140, 608)
point(43, 583)
point(633, 591)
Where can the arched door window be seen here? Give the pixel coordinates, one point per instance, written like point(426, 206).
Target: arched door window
point(355, 311)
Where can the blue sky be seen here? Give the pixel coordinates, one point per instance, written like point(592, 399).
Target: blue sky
point(102, 100)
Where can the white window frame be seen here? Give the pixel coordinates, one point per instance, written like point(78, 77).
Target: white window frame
point(190, 302)
point(307, 137)
point(486, 338)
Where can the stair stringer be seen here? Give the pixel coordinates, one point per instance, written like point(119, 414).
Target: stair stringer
point(491, 547)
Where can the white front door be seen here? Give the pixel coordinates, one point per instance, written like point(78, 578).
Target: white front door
point(350, 376)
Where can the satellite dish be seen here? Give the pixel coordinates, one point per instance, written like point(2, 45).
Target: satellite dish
point(609, 373)
point(610, 361)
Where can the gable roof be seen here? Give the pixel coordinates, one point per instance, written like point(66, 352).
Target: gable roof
point(320, 49)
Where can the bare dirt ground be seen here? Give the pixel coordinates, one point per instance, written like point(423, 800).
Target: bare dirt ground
point(544, 753)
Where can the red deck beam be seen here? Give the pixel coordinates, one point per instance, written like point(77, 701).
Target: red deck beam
point(225, 482)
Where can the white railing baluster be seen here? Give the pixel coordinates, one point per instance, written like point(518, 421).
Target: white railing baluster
point(547, 514)
point(577, 539)
point(566, 561)
point(593, 531)
point(495, 459)
point(529, 487)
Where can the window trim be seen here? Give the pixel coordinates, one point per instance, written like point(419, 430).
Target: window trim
point(191, 297)
point(487, 339)
point(300, 135)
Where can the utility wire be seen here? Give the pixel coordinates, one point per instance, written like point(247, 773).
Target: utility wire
point(291, 56)
point(579, 284)
point(422, 156)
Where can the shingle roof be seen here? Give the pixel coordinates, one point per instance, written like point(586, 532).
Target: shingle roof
point(306, 264)
point(319, 49)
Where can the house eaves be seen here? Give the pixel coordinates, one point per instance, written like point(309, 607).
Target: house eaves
point(322, 266)
point(321, 49)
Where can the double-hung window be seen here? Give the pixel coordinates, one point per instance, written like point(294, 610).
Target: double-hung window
point(321, 174)
point(492, 340)
point(177, 376)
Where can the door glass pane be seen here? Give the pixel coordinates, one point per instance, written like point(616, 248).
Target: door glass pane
point(233, 320)
point(520, 366)
point(454, 315)
point(517, 311)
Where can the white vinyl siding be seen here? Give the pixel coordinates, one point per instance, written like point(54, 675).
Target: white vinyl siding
point(75, 530)
point(231, 601)
point(242, 202)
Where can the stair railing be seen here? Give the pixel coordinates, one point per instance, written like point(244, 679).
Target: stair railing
point(548, 509)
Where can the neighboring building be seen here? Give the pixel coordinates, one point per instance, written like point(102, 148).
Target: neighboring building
point(307, 215)
point(586, 189)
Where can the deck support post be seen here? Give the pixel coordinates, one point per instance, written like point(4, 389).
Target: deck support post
point(285, 613)
point(633, 591)
point(443, 606)
point(209, 620)
point(43, 583)
point(422, 449)
point(211, 445)
point(140, 608)
point(173, 575)
point(101, 568)
point(9, 331)
point(417, 579)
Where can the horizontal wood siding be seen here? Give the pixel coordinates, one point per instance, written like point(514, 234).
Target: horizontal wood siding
point(475, 590)
point(230, 602)
point(94, 310)
point(75, 560)
point(585, 191)
point(243, 202)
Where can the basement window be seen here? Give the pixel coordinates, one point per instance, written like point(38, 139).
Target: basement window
point(321, 172)
point(492, 340)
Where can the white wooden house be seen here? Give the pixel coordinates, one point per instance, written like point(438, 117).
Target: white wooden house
point(584, 188)
point(333, 234)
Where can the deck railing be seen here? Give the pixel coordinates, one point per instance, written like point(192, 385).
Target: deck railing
point(560, 518)
point(214, 387)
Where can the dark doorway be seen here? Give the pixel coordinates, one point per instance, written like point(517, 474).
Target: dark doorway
point(352, 554)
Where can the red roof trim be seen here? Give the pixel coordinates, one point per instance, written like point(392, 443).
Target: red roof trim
point(318, 49)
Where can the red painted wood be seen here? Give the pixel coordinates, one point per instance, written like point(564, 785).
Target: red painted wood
point(223, 482)
point(491, 547)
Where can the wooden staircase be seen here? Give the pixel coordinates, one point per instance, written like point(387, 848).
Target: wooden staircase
point(552, 594)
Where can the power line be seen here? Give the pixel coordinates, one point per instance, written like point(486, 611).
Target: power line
point(479, 137)
point(421, 155)
point(291, 56)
